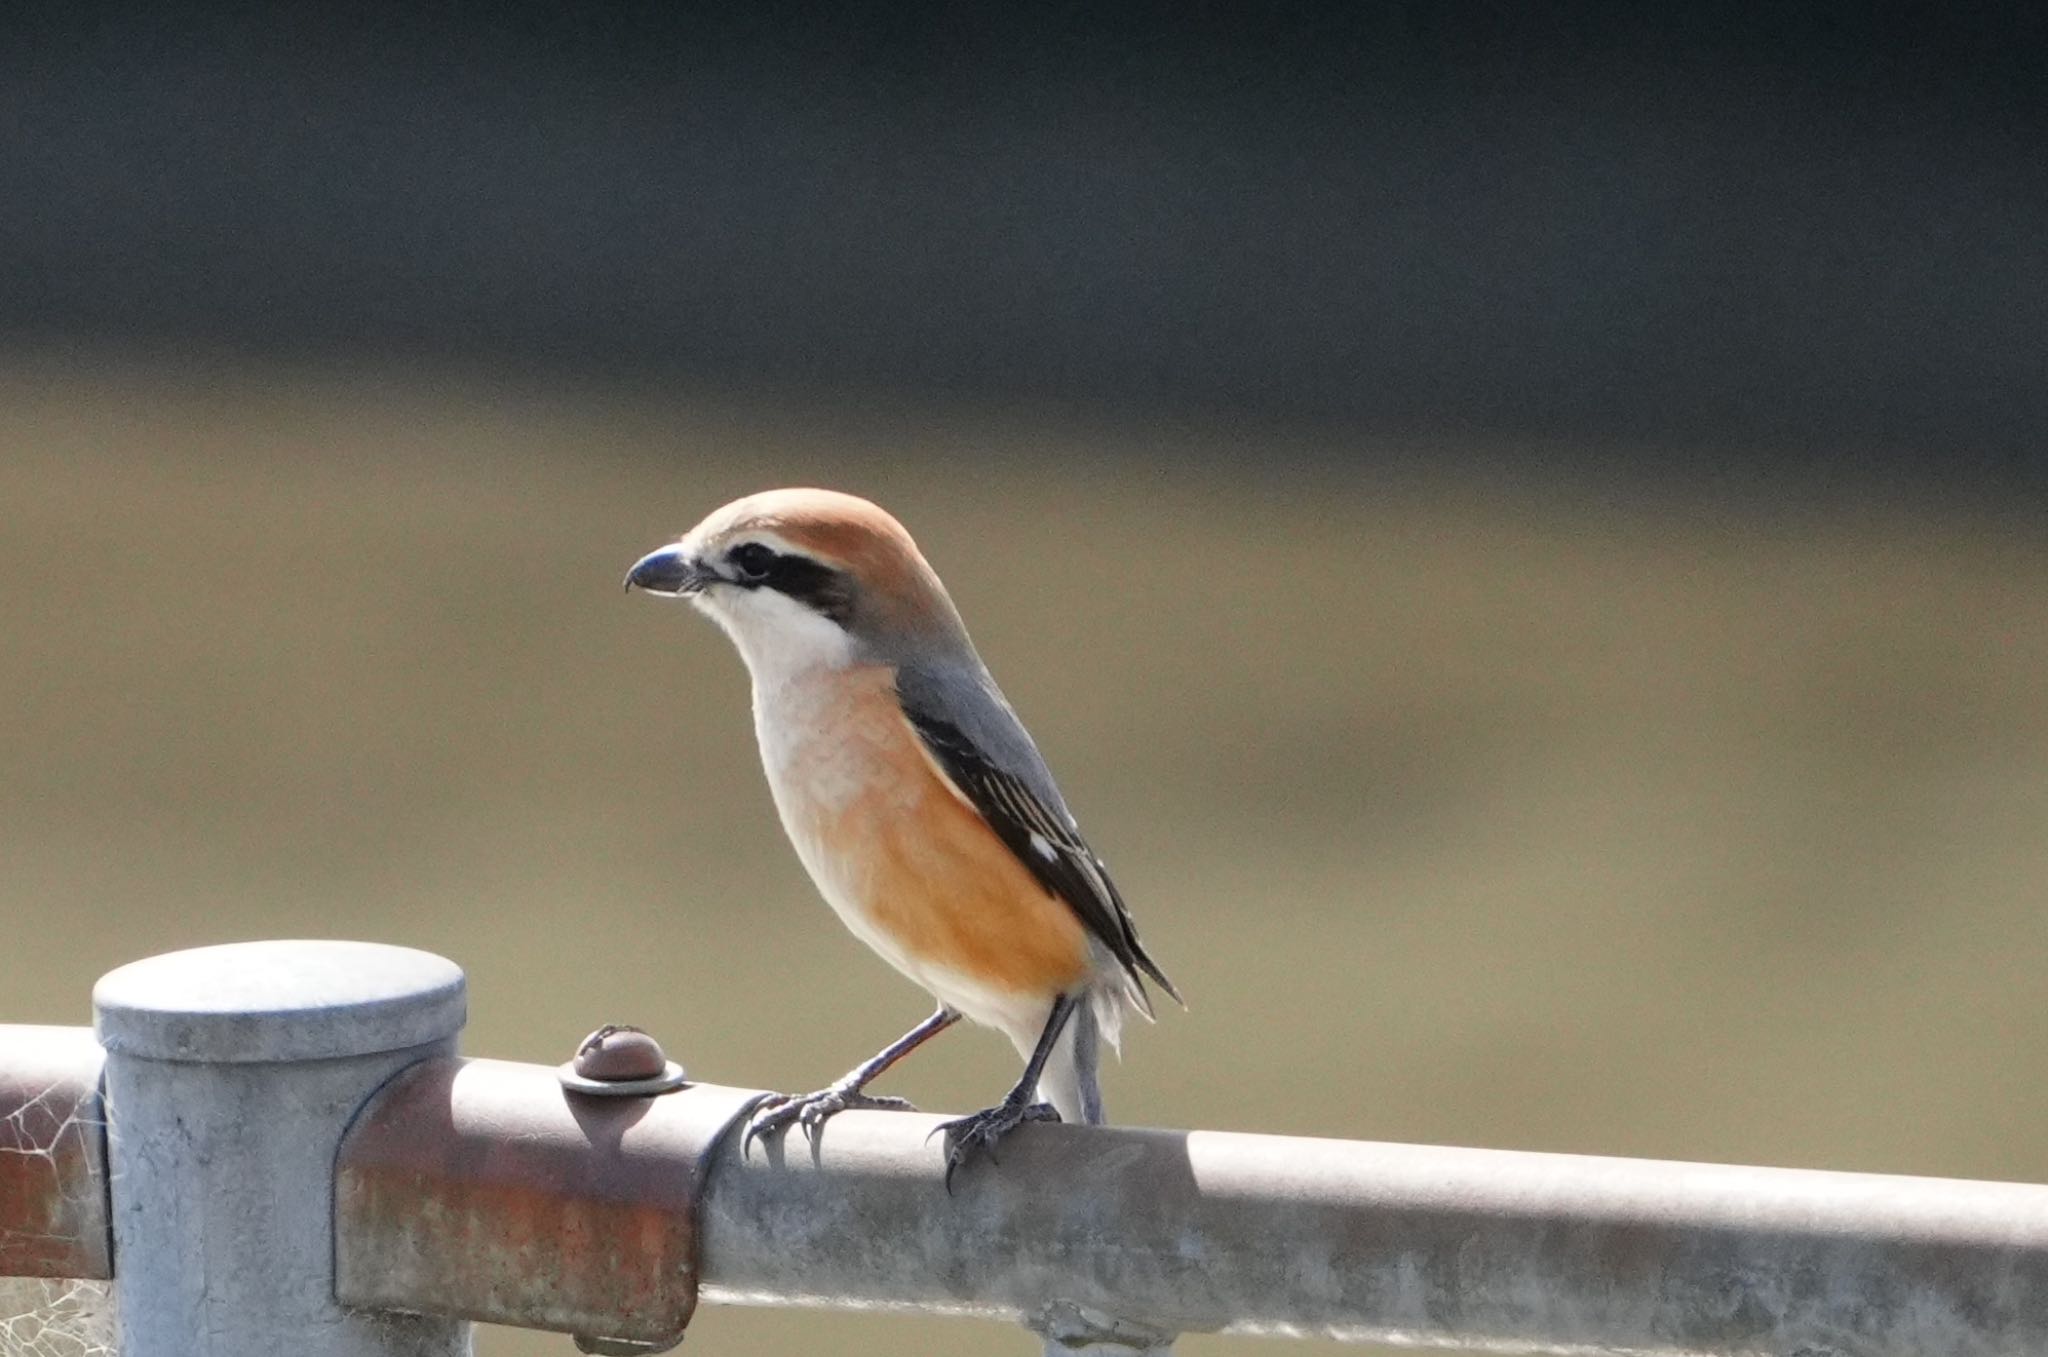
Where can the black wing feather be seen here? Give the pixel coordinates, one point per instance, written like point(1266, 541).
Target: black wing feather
point(1067, 867)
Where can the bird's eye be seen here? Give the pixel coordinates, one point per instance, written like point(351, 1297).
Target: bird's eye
point(751, 560)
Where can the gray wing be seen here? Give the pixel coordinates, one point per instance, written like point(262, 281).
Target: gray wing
point(973, 735)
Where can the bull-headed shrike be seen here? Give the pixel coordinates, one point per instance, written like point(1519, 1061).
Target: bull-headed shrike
point(915, 799)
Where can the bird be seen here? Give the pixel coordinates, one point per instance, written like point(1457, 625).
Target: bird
point(916, 801)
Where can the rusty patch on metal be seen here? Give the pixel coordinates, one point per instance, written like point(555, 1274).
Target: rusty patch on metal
point(54, 1216)
point(479, 1188)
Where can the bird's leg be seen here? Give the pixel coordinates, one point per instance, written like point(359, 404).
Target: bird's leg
point(983, 1129)
point(811, 1109)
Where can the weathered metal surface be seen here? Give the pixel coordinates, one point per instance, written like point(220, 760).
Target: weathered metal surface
point(54, 1219)
point(1374, 1242)
point(232, 1072)
point(483, 1189)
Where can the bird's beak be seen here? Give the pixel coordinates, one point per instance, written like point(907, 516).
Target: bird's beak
point(670, 570)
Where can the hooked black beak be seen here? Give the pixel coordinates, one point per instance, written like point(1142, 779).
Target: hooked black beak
point(667, 571)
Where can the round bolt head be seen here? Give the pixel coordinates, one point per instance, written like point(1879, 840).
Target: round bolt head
point(617, 1061)
point(617, 1054)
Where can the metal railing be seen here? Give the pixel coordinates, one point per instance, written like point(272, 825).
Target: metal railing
point(300, 1163)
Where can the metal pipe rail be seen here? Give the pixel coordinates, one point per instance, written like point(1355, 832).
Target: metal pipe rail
point(298, 1159)
point(1172, 1232)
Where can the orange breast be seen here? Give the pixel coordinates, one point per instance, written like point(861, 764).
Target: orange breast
point(932, 877)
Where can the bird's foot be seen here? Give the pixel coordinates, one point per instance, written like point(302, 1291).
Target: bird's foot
point(810, 1110)
point(981, 1130)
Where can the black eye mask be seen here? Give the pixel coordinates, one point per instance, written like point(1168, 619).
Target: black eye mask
point(818, 587)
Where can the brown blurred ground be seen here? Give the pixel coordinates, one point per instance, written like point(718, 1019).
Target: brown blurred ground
point(1462, 813)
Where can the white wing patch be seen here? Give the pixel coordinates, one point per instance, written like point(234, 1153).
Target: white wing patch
point(1043, 847)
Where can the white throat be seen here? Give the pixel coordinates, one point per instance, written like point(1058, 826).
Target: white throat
point(779, 638)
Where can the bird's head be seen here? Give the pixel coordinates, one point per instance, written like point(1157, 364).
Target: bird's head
point(807, 579)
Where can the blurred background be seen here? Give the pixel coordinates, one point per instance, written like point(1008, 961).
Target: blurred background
point(1520, 531)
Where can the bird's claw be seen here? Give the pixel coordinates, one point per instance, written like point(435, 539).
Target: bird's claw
point(810, 1110)
point(981, 1130)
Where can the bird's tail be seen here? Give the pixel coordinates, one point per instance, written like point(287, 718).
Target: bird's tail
point(1069, 1080)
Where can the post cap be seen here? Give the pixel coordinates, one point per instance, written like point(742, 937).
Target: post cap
point(285, 1000)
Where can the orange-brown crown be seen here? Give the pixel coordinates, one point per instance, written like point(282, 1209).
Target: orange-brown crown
point(898, 592)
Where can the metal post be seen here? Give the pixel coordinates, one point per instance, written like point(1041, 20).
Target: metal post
point(231, 1075)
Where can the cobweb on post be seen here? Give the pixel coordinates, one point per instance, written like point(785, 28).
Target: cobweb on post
point(55, 1317)
point(52, 1197)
